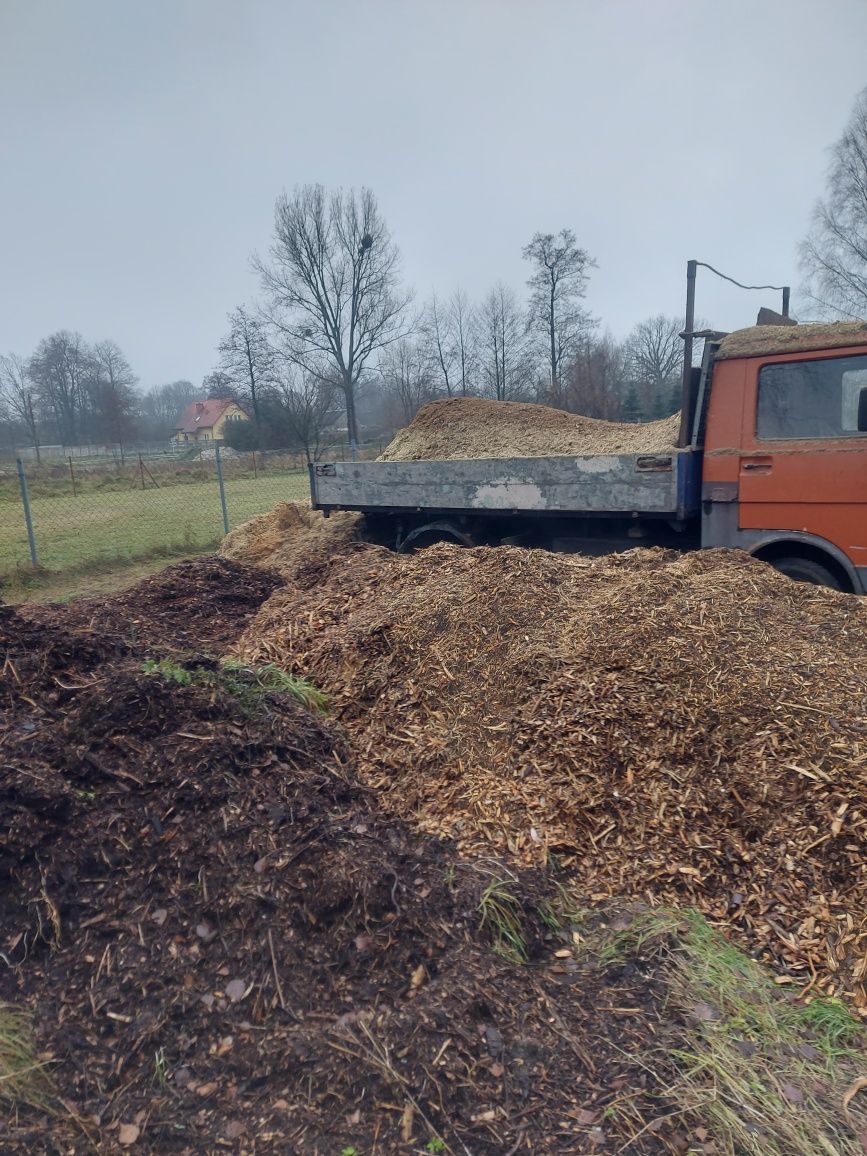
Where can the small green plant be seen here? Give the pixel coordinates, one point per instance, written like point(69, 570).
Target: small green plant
point(549, 916)
point(831, 1024)
point(349, 1150)
point(161, 1068)
point(435, 1144)
point(247, 684)
point(500, 914)
point(270, 676)
point(169, 670)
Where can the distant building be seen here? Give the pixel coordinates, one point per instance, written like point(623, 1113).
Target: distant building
point(205, 421)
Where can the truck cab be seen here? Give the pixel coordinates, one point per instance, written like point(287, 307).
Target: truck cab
point(783, 430)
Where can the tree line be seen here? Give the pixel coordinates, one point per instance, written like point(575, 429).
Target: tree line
point(338, 338)
point(337, 344)
point(70, 392)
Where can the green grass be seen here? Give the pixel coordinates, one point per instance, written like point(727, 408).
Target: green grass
point(500, 917)
point(98, 527)
point(763, 1073)
point(23, 1079)
point(246, 683)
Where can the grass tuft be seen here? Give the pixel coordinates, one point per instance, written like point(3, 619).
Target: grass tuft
point(272, 677)
point(248, 684)
point(500, 916)
point(762, 1073)
point(23, 1079)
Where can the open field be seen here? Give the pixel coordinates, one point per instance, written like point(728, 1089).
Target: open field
point(98, 527)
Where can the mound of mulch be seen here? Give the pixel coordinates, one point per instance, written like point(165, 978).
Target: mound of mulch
point(227, 945)
point(295, 541)
point(675, 728)
point(476, 427)
point(761, 340)
point(201, 604)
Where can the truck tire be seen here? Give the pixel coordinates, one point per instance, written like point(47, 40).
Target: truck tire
point(431, 533)
point(806, 570)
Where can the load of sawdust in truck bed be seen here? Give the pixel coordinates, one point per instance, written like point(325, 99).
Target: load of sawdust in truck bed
point(685, 728)
point(764, 340)
point(476, 427)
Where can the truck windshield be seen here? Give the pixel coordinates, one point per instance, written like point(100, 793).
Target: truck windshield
point(811, 399)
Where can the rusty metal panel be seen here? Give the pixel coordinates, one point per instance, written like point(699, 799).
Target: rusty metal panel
point(628, 483)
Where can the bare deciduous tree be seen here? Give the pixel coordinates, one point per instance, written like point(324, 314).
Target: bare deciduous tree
point(308, 405)
point(162, 404)
point(505, 348)
point(406, 371)
point(332, 285)
point(449, 330)
point(463, 320)
point(60, 370)
point(111, 390)
point(247, 358)
point(18, 401)
point(594, 382)
point(834, 255)
point(218, 385)
point(654, 363)
point(558, 284)
point(443, 352)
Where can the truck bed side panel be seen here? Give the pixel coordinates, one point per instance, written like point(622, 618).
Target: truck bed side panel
point(630, 483)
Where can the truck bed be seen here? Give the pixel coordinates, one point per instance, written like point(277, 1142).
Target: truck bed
point(664, 485)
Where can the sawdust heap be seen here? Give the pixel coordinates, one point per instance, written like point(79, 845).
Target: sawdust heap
point(761, 340)
point(685, 728)
point(476, 427)
point(294, 540)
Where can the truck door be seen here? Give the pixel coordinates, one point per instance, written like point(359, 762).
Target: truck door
point(803, 459)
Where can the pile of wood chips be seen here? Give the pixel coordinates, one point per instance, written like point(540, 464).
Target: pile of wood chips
point(676, 728)
point(292, 539)
point(477, 427)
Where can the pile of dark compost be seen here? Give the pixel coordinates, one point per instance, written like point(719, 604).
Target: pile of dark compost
point(225, 944)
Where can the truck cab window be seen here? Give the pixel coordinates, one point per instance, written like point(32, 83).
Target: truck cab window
point(811, 399)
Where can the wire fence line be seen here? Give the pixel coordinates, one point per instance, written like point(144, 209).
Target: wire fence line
point(68, 515)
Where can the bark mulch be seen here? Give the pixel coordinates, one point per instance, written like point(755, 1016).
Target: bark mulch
point(227, 945)
point(204, 603)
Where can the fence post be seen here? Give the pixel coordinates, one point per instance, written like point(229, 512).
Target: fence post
point(222, 488)
point(28, 520)
point(72, 475)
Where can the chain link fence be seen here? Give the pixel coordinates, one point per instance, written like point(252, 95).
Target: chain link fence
point(67, 515)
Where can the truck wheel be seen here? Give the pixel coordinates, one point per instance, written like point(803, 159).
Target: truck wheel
point(430, 534)
point(806, 570)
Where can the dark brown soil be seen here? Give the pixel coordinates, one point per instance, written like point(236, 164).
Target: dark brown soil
point(202, 604)
point(227, 946)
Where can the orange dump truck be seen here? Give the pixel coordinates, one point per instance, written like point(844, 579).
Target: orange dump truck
point(772, 459)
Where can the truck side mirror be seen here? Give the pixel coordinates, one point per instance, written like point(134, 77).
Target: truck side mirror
point(862, 411)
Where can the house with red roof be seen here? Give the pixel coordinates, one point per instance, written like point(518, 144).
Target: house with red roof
point(205, 421)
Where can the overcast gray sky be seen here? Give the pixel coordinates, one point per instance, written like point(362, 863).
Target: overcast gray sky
point(143, 143)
